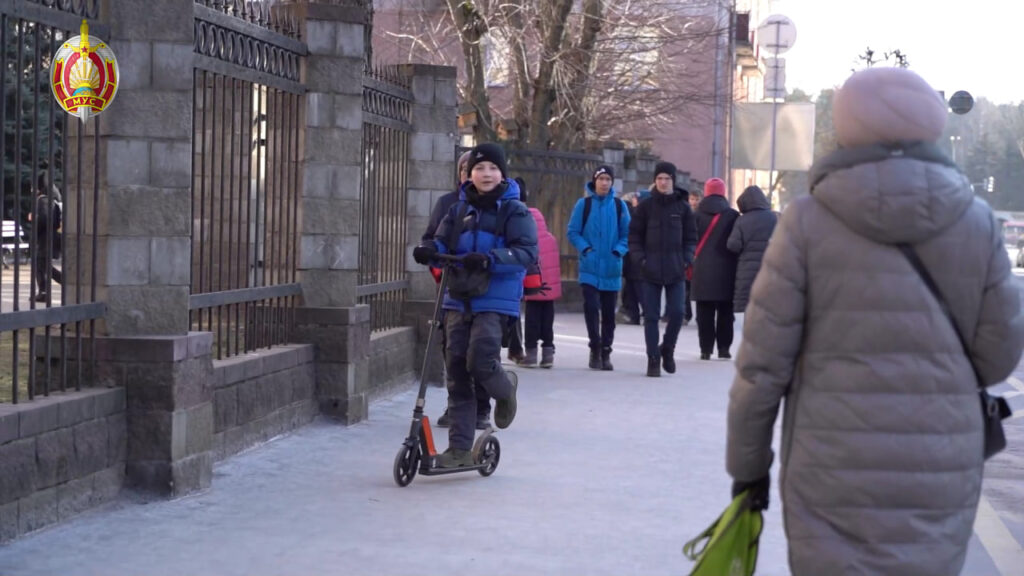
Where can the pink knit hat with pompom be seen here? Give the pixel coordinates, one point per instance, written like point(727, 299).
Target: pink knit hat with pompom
point(885, 106)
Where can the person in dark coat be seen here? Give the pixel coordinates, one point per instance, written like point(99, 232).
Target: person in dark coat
point(695, 197)
point(714, 271)
point(45, 218)
point(749, 240)
point(662, 239)
point(631, 310)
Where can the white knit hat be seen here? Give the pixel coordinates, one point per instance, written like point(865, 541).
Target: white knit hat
point(887, 105)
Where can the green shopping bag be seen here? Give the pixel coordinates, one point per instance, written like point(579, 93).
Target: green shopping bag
point(729, 546)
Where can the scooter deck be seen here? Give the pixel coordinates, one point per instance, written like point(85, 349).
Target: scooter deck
point(443, 471)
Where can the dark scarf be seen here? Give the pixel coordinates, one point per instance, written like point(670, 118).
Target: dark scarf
point(485, 201)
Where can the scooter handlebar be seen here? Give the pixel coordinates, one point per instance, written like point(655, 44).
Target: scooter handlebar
point(452, 258)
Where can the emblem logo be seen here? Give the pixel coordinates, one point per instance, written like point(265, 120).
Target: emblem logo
point(84, 75)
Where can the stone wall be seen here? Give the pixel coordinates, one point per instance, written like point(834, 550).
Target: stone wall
point(261, 395)
point(393, 356)
point(61, 455)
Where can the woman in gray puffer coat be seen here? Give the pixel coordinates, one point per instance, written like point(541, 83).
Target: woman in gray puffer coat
point(749, 239)
point(882, 441)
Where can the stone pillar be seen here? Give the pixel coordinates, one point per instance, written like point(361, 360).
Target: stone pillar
point(331, 176)
point(432, 173)
point(144, 247)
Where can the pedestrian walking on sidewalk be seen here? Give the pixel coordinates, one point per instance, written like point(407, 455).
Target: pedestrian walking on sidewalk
point(497, 239)
point(662, 240)
point(714, 271)
point(882, 437)
point(542, 289)
point(599, 229)
point(437, 214)
point(749, 240)
point(631, 310)
point(695, 197)
point(46, 222)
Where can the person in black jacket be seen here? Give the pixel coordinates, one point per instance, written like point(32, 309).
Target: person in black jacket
point(45, 218)
point(714, 271)
point(631, 310)
point(749, 240)
point(662, 239)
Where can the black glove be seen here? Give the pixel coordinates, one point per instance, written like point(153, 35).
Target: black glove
point(423, 254)
point(758, 492)
point(476, 261)
point(537, 291)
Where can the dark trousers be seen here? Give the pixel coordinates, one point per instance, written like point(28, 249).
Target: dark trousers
point(41, 266)
point(599, 312)
point(474, 354)
point(688, 313)
point(483, 401)
point(513, 338)
point(674, 296)
point(632, 298)
point(714, 325)
point(540, 323)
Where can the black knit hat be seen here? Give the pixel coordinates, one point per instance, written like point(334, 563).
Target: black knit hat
point(665, 168)
point(603, 169)
point(488, 152)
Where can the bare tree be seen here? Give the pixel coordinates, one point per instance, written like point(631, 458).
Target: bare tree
point(579, 71)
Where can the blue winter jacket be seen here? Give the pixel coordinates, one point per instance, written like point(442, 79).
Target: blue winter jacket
point(606, 233)
point(512, 250)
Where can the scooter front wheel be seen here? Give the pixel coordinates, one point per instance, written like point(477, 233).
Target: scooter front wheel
point(407, 462)
point(490, 454)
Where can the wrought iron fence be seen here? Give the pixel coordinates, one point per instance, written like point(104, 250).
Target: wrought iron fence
point(383, 282)
point(49, 164)
point(247, 104)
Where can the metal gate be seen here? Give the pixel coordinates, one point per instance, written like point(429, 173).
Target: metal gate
point(383, 282)
point(49, 166)
point(247, 104)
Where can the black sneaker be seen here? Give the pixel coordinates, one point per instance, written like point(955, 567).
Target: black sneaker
point(654, 366)
point(667, 361)
point(724, 355)
point(505, 410)
point(705, 356)
point(595, 359)
point(444, 421)
point(483, 421)
point(454, 458)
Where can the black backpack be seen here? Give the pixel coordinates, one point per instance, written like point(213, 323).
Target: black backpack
point(588, 205)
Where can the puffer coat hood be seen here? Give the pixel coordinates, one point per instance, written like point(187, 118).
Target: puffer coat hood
point(749, 240)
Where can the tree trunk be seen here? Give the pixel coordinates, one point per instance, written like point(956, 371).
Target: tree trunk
point(472, 27)
point(571, 133)
point(554, 17)
point(515, 22)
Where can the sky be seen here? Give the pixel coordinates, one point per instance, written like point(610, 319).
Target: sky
point(973, 45)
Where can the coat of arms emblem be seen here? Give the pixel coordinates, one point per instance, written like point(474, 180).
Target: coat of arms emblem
point(84, 75)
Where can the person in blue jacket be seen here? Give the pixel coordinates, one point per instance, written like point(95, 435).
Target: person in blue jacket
point(599, 229)
point(497, 238)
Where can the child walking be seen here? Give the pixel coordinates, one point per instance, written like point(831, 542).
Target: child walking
point(541, 293)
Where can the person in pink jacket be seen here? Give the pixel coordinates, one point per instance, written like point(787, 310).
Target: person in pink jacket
point(541, 292)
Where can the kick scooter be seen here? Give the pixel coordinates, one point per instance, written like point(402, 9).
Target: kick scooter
point(417, 454)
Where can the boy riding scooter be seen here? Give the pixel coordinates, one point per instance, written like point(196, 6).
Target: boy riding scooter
point(496, 237)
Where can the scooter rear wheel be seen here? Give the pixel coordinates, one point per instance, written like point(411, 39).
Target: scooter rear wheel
point(407, 462)
point(490, 454)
